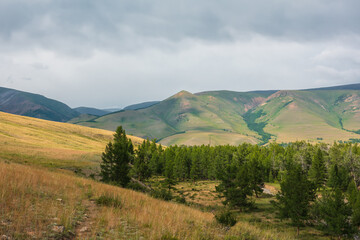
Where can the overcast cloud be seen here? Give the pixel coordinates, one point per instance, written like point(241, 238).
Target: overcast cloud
point(115, 53)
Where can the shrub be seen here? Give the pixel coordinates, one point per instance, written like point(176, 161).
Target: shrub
point(180, 199)
point(168, 237)
point(225, 218)
point(137, 187)
point(109, 201)
point(162, 194)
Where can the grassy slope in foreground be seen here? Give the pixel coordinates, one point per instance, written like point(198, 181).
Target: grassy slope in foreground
point(52, 144)
point(37, 203)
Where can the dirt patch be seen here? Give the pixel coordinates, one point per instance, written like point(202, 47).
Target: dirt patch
point(270, 190)
point(83, 228)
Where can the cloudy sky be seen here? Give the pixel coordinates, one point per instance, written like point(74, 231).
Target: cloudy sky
point(115, 53)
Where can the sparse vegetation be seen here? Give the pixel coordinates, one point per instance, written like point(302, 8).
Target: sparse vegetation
point(109, 201)
point(38, 203)
point(226, 218)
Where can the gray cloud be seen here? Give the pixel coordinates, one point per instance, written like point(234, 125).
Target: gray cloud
point(114, 53)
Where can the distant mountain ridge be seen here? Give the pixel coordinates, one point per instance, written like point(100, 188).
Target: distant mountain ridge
point(140, 105)
point(227, 117)
point(216, 117)
point(34, 105)
point(91, 111)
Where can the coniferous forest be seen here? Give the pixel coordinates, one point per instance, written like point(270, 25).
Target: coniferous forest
point(319, 182)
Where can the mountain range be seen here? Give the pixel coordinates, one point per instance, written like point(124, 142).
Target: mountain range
point(34, 105)
point(223, 117)
point(227, 117)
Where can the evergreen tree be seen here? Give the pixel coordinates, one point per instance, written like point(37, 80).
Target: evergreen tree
point(256, 172)
point(338, 177)
point(352, 192)
point(196, 168)
point(355, 219)
point(116, 158)
point(295, 196)
point(317, 171)
point(141, 164)
point(333, 213)
point(235, 186)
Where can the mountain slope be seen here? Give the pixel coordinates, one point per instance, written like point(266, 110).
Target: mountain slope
point(91, 111)
point(140, 105)
point(34, 105)
point(51, 144)
point(226, 117)
point(190, 116)
point(309, 115)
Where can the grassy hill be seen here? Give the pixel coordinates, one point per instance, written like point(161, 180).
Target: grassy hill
point(34, 105)
point(91, 111)
point(315, 115)
point(189, 116)
point(41, 199)
point(51, 144)
point(226, 117)
point(37, 203)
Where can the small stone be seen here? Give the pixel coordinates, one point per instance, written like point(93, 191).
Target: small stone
point(84, 229)
point(59, 199)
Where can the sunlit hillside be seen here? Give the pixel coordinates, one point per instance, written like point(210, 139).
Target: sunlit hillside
point(37, 203)
point(52, 144)
point(226, 117)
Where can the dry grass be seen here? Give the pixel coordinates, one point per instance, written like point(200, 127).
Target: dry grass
point(200, 192)
point(36, 203)
point(52, 144)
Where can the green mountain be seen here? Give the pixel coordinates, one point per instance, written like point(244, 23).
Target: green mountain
point(325, 115)
point(226, 117)
point(91, 111)
point(140, 105)
point(34, 105)
point(187, 118)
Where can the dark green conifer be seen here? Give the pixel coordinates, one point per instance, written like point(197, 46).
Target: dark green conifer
point(116, 158)
point(295, 196)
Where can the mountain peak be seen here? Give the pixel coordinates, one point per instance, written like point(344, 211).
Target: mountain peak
point(182, 93)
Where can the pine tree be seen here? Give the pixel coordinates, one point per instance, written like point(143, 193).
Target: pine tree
point(295, 196)
point(317, 171)
point(235, 186)
point(256, 173)
point(141, 163)
point(195, 171)
point(333, 213)
point(338, 177)
point(116, 158)
point(355, 219)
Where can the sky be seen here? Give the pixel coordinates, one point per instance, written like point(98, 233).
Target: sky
point(115, 53)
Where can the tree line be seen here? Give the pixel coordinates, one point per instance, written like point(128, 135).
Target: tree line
point(305, 171)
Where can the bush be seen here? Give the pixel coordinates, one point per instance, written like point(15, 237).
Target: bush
point(109, 201)
point(225, 218)
point(162, 194)
point(168, 237)
point(180, 199)
point(137, 187)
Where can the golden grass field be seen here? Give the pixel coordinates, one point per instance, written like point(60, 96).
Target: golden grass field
point(42, 198)
point(52, 144)
point(38, 200)
point(42, 204)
